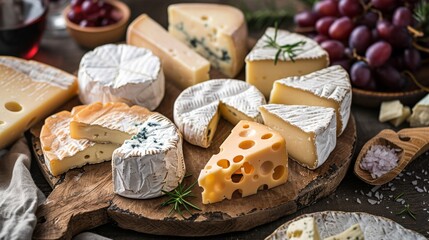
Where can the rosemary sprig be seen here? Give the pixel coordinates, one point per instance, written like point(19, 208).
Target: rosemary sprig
point(285, 49)
point(400, 195)
point(421, 14)
point(408, 211)
point(178, 198)
point(265, 13)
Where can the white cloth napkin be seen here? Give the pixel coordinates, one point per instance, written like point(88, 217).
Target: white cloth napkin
point(19, 195)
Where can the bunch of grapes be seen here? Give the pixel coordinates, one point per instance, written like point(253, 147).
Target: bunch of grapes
point(372, 39)
point(93, 13)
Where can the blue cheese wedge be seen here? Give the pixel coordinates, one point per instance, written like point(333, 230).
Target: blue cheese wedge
point(354, 232)
point(217, 32)
point(150, 162)
point(303, 229)
point(420, 115)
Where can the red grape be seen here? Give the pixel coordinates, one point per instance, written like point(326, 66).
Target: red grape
point(323, 25)
point(86, 23)
point(360, 74)
point(383, 5)
point(400, 37)
point(305, 19)
point(345, 63)
point(402, 17)
point(350, 8)
point(412, 59)
point(90, 7)
point(369, 19)
point(74, 17)
point(390, 78)
point(360, 39)
point(334, 48)
point(320, 38)
point(378, 53)
point(326, 8)
point(341, 28)
point(75, 3)
point(384, 29)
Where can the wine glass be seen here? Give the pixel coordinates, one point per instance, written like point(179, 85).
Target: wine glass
point(22, 23)
point(56, 25)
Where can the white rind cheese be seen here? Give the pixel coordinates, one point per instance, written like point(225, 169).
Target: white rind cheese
point(196, 110)
point(329, 87)
point(150, 162)
point(352, 233)
point(303, 229)
point(217, 32)
point(318, 138)
point(121, 73)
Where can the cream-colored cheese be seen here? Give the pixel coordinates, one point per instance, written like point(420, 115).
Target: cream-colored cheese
point(390, 110)
point(303, 229)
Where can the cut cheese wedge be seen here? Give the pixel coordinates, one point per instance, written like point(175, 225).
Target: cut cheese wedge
point(303, 229)
point(252, 157)
point(29, 91)
point(112, 122)
point(354, 232)
point(420, 116)
point(390, 110)
point(329, 87)
point(180, 63)
point(62, 153)
point(217, 32)
point(197, 110)
point(310, 132)
point(261, 70)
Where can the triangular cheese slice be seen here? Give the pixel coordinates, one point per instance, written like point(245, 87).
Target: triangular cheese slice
point(217, 32)
point(310, 132)
point(253, 157)
point(329, 87)
point(303, 229)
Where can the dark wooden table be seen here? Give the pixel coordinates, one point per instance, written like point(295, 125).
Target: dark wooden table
point(351, 195)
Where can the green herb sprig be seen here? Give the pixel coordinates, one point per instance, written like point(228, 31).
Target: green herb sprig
point(286, 49)
point(179, 199)
point(408, 211)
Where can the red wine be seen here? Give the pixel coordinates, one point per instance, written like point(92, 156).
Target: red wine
point(22, 23)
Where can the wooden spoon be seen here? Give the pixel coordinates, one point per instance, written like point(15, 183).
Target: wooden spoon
point(412, 142)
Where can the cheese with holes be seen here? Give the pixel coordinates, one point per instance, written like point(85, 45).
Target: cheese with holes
point(217, 32)
point(420, 115)
point(61, 152)
point(303, 229)
point(121, 73)
point(198, 108)
point(329, 87)
point(406, 112)
point(29, 91)
point(112, 122)
point(181, 64)
point(150, 162)
point(253, 157)
point(354, 232)
point(390, 110)
point(310, 132)
point(261, 70)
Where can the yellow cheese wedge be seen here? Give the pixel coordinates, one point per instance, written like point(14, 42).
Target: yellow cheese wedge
point(29, 91)
point(180, 63)
point(252, 157)
point(62, 152)
point(112, 122)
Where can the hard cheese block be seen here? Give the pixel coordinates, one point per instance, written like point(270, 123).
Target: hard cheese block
point(150, 162)
point(354, 232)
point(197, 109)
point(121, 73)
point(29, 91)
point(310, 132)
point(180, 63)
point(253, 157)
point(303, 229)
point(390, 110)
point(112, 122)
point(420, 115)
point(217, 32)
point(329, 87)
point(261, 70)
point(61, 152)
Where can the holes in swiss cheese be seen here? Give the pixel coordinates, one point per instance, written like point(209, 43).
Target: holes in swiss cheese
point(278, 172)
point(236, 178)
point(237, 194)
point(208, 167)
point(247, 133)
point(86, 156)
point(238, 158)
point(263, 187)
point(255, 177)
point(248, 168)
point(246, 144)
point(266, 136)
point(246, 126)
point(223, 163)
point(267, 167)
point(13, 106)
point(204, 18)
point(276, 146)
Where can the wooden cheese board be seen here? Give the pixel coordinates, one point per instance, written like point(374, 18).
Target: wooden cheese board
point(83, 198)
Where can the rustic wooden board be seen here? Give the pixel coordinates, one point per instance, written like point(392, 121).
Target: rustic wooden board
point(83, 198)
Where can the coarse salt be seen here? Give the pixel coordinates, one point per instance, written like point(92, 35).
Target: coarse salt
point(379, 160)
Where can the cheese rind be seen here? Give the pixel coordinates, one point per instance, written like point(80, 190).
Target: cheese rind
point(181, 64)
point(261, 70)
point(303, 229)
point(29, 91)
point(329, 87)
point(62, 153)
point(354, 232)
point(121, 73)
point(420, 115)
point(310, 132)
point(217, 32)
point(150, 162)
point(196, 110)
point(390, 110)
point(252, 157)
